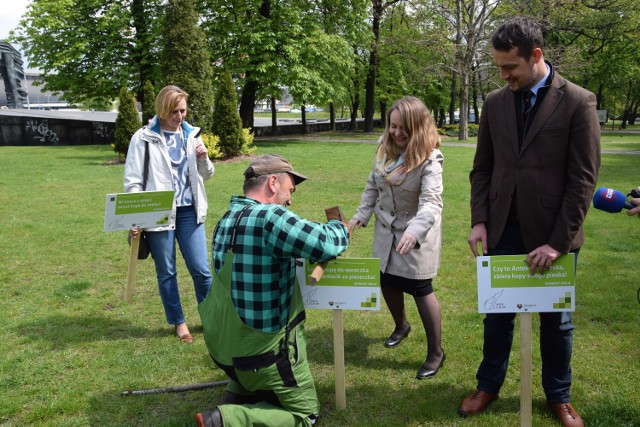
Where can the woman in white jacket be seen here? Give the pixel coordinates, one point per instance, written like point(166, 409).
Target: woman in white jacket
point(178, 161)
point(404, 191)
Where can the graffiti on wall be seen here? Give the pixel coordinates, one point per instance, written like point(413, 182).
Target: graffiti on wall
point(102, 130)
point(40, 131)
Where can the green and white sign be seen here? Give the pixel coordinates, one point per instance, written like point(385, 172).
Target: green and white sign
point(137, 210)
point(505, 285)
point(347, 284)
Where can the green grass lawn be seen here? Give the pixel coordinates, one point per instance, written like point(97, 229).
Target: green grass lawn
point(71, 344)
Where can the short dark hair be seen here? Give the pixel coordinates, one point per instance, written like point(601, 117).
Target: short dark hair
point(520, 32)
point(251, 184)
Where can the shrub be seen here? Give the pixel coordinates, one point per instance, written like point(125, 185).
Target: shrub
point(452, 130)
point(148, 103)
point(247, 142)
point(214, 150)
point(185, 60)
point(212, 143)
point(226, 120)
point(127, 122)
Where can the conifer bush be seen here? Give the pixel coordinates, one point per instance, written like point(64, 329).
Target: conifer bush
point(148, 103)
point(226, 121)
point(186, 62)
point(127, 122)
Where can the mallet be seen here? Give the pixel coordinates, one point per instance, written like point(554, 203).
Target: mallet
point(333, 212)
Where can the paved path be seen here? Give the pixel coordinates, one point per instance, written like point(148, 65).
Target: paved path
point(374, 140)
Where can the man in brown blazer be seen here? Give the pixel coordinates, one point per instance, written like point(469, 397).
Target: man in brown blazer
point(533, 177)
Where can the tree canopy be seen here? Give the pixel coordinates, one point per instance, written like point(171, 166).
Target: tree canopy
point(327, 52)
point(91, 48)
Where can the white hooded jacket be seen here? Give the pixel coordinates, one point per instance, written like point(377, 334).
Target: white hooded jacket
point(160, 177)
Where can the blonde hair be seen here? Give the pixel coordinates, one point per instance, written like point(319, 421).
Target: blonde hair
point(167, 100)
point(420, 127)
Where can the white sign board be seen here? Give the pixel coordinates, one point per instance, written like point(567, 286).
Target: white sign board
point(143, 209)
point(347, 284)
point(506, 286)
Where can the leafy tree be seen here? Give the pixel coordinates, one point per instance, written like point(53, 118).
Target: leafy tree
point(595, 44)
point(406, 67)
point(471, 23)
point(226, 121)
point(186, 61)
point(96, 104)
point(148, 102)
point(127, 122)
point(91, 48)
point(348, 21)
point(316, 77)
point(254, 40)
point(378, 9)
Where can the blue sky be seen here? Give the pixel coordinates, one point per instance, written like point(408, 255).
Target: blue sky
point(10, 14)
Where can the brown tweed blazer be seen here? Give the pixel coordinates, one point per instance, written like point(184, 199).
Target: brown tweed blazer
point(555, 171)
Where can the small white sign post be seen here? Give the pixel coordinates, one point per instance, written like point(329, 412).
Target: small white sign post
point(143, 209)
point(347, 284)
point(505, 286)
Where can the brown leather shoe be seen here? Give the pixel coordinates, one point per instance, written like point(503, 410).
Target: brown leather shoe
point(566, 414)
point(476, 402)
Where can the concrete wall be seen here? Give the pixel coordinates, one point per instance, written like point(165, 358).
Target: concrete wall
point(313, 126)
point(35, 127)
point(24, 130)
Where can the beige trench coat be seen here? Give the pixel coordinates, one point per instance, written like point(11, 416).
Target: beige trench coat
point(414, 206)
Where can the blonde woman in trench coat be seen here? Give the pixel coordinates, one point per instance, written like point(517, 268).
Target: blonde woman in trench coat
point(404, 191)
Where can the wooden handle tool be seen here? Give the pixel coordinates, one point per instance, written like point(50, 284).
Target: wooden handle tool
point(333, 212)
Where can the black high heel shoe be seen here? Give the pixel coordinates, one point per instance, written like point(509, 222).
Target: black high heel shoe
point(429, 373)
point(393, 342)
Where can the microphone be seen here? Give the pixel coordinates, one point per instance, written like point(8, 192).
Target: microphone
point(609, 200)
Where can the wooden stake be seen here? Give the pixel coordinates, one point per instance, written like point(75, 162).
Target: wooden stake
point(338, 358)
point(133, 265)
point(525, 370)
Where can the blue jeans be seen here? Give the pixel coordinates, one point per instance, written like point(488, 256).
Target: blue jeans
point(192, 240)
point(556, 339)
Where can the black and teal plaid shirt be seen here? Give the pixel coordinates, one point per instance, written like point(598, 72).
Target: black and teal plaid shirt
point(268, 240)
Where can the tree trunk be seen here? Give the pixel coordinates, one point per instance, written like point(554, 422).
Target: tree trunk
point(248, 101)
point(332, 115)
point(141, 48)
point(441, 118)
point(355, 104)
point(370, 84)
point(452, 97)
point(599, 96)
point(463, 131)
point(274, 116)
point(303, 111)
point(474, 91)
point(383, 113)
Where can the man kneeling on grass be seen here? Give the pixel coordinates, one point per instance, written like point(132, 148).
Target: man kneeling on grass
point(253, 316)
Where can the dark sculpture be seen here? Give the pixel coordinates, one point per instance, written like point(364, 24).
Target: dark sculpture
point(12, 74)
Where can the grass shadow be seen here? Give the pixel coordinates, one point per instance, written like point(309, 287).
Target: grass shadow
point(60, 330)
